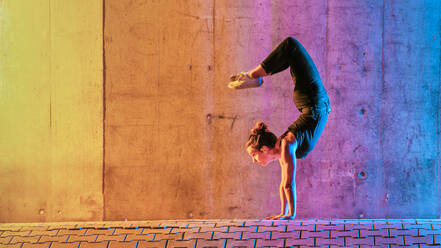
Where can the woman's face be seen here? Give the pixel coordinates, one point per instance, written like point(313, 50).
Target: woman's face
point(261, 157)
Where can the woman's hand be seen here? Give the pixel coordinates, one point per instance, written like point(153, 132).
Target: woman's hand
point(275, 217)
point(286, 217)
point(280, 217)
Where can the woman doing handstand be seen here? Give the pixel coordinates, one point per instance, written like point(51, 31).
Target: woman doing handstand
point(310, 98)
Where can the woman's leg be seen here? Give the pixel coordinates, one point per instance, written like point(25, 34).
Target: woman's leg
point(281, 57)
point(288, 54)
point(291, 53)
point(278, 60)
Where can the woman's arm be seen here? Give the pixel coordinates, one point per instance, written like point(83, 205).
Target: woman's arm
point(282, 195)
point(282, 201)
point(288, 165)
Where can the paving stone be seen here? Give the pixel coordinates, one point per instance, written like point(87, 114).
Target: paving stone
point(328, 242)
point(65, 245)
point(365, 226)
point(128, 231)
point(371, 233)
point(280, 235)
point(152, 244)
point(398, 240)
point(35, 228)
point(427, 246)
point(312, 234)
point(104, 237)
point(39, 245)
point(389, 225)
point(329, 227)
point(58, 238)
point(271, 229)
point(437, 239)
point(5, 240)
point(350, 233)
point(272, 243)
point(60, 226)
point(179, 225)
point(255, 235)
point(210, 243)
point(94, 244)
point(181, 243)
point(403, 232)
point(359, 241)
point(118, 244)
point(429, 240)
point(93, 225)
point(156, 230)
point(150, 226)
point(88, 238)
point(240, 243)
point(18, 245)
point(425, 232)
point(144, 237)
point(213, 229)
point(10, 228)
point(202, 225)
point(187, 230)
point(104, 231)
point(301, 227)
point(20, 239)
point(72, 232)
point(427, 226)
point(161, 236)
point(228, 235)
point(18, 233)
point(243, 229)
point(299, 242)
point(200, 235)
point(43, 232)
point(407, 246)
point(228, 224)
point(257, 223)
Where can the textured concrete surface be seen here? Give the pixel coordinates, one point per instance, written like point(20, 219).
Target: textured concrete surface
point(329, 233)
point(175, 133)
point(51, 135)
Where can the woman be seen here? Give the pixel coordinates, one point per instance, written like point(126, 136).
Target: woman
point(310, 98)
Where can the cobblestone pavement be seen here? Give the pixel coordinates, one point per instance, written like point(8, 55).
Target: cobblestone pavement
point(224, 233)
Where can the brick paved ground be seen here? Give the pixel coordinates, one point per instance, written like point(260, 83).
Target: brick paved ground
point(224, 233)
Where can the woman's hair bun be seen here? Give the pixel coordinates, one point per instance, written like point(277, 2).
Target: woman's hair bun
point(261, 136)
point(259, 128)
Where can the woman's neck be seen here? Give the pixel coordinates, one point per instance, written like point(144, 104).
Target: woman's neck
point(276, 151)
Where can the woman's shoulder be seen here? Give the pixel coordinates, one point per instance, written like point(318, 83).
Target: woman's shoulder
point(288, 141)
point(288, 138)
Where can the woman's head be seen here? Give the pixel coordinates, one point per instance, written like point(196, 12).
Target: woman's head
point(261, 143)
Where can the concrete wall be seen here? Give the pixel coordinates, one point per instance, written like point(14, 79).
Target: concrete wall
point(175, 133)
point(51, 136)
